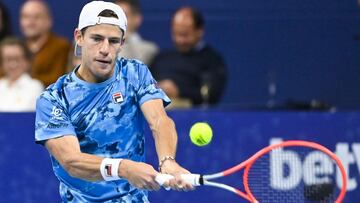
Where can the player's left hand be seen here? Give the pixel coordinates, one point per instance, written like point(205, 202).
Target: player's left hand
point(173, 168)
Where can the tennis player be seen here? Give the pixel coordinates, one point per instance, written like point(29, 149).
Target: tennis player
point(92, 119)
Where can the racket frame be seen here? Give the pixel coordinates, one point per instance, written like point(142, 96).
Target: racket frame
point(205, 179)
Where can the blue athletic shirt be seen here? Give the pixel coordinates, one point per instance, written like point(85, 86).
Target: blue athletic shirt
point(106, 119)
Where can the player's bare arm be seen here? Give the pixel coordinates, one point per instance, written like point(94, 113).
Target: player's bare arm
point(165, 136)
point(66, 150)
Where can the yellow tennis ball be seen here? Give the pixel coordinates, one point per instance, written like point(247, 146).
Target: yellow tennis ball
point(201, 134)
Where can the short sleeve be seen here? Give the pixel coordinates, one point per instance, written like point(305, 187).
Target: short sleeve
point(51, 121)
point(148, 87)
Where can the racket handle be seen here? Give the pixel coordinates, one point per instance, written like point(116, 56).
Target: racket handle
point(162, 178)
point(193, 179)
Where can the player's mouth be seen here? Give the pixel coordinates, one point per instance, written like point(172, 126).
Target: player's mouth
point(103, 61)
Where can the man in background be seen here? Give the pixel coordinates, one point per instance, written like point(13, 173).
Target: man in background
point(135, 46)
point(49, 50)
point(194, 71)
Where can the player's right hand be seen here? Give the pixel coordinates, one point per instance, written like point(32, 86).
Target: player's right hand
point(176, 183)
point(139, 174)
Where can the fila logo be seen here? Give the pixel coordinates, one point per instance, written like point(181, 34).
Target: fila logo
point(108, 170)
point(117, 97)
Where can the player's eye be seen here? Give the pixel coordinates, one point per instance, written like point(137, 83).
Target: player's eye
point(114, 41)
point(97, 38)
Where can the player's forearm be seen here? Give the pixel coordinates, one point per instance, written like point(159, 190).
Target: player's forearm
point(87, 167)
point(165, 137)
point(66, 150)
point(83, 166)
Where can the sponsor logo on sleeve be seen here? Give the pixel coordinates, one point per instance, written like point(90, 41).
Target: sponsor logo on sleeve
point(56, 113)
point(56, 126)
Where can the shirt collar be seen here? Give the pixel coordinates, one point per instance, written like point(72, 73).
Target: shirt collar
point(94, 85)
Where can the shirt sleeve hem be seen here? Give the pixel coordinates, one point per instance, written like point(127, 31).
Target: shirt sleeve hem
point(166, 100)
point(42, 141)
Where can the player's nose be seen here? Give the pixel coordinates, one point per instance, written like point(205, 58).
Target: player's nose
point(104, 49)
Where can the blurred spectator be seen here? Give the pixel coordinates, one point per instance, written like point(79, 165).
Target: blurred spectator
point(50, 52)
point(18, 91)
point(193, 71)
point(135, 47)
point(5, 26)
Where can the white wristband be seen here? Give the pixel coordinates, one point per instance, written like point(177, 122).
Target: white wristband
point(109, 169)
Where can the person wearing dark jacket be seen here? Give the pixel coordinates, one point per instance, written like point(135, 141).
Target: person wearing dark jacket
point(193, 71)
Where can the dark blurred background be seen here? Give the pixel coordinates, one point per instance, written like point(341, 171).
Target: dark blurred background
point(283, 53)
point(280, 54)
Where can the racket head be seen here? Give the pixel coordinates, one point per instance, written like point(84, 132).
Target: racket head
point(294, 171)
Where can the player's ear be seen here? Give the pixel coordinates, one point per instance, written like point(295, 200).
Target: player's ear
point(78, 37)
point(122, 37)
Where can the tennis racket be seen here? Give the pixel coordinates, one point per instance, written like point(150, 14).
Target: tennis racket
point(290, 171)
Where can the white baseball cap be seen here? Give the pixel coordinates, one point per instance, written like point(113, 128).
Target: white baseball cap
point(89, 16)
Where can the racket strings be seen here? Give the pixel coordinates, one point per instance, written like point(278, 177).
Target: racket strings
point(294, 174)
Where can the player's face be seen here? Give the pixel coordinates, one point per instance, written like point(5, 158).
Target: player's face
point(185, 35)
point(14, 62)
point(100, 46)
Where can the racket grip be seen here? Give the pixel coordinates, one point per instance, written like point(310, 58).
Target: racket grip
point(193, 179)
point(162, 178)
